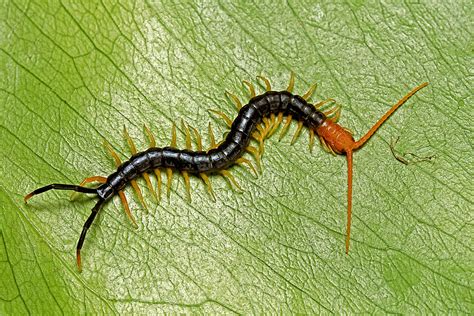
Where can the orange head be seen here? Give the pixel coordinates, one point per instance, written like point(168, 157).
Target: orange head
point(336, 137)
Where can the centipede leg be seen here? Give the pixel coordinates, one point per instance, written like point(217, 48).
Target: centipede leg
point(187, 185)
point(226, 174)
point(158, 179)
point(169, 175)
point(99, 179)
point(242, 161)
point(321, 103)
point(212, 138)
point(251, 88)
point(198, 139)
point(279, 119)
point(285, 127)
point(226, 119)
point(297, 132)
point(235, 100)
point(311, 140)
point(310, 92)
point(257, 155)
point(273, 124)
point(112, 152)
point(206, 180)
point(268, 86)
point(292, 82)
point(124, 201)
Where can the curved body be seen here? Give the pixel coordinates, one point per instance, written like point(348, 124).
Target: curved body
point(334, 138)
point(250, 115)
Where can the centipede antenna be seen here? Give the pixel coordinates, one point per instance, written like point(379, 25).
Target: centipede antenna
point(360, 143)
point(376, 126)
point(349, 199)
point(85, 228)
point(59, 186)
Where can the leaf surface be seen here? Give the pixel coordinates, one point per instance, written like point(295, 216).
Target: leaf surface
point(74, 75)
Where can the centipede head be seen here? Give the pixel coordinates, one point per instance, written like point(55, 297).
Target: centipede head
point(336, 137)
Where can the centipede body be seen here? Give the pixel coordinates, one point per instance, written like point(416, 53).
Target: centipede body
point(256, 120)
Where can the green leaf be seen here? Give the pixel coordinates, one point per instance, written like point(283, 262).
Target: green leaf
point(73, 75)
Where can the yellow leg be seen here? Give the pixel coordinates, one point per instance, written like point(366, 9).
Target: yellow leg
point(268, 86)
point(198, 139)
point(133, 149)
point(297, 133)
point(311, 140)
point(173, 136)
point(310, 92)
point(123, 198)
point(256, 153)
point(247, 162)
point(285, 127)
point(279, 119)
point(158, 179)
point(321, 103)
point(169, 175)
point(251, 88)
point(146, 176)
point(226, 119)
point(261, 138)
point(205, 178)
point(211, 137)
point(333, 110)
point(257, 136)
point(292, 82)
point(268, 126)
point(137, 190)
point(273, 125)
point(337, 115)
point(334, 113)
point(229, 177)
point(187, 133)
point(326, 147)
point(111, 151)
point(150, 136)
point(187, 185)
point(235, 100)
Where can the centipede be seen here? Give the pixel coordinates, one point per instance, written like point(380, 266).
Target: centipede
point(257, 120)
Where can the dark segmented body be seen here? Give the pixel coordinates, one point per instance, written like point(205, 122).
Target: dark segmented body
point(250, 115)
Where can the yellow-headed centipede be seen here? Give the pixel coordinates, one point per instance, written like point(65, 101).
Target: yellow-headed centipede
point(256, 120)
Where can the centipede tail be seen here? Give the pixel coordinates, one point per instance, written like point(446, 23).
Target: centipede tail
point(256, 121)
point(85, 228)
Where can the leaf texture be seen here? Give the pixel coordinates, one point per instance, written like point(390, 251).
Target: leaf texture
point(72, 75)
